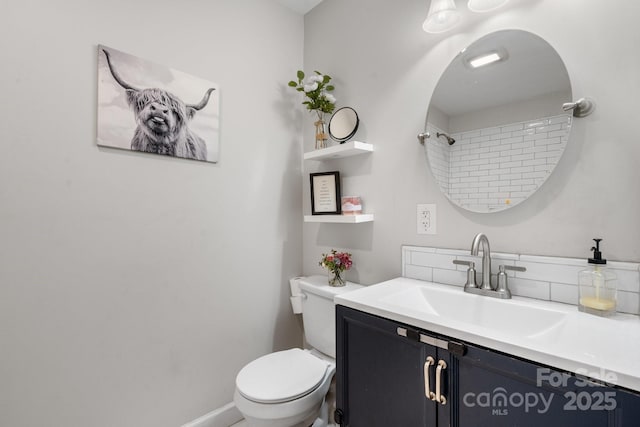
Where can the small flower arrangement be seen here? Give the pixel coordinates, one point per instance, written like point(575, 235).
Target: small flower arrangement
point(316, 90)
point(336, 262)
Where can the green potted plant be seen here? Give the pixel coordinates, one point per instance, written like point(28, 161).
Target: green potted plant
point(317, 98)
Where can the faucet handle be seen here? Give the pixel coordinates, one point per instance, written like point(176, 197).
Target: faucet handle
point(502, 286)
point(471, 272)
point(471, 264)
point(511, 267)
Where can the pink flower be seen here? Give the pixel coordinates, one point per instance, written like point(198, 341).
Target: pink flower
point(336, 261)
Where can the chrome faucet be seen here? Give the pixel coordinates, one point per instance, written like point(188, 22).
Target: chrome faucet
point(481, 238)
point(501, 290)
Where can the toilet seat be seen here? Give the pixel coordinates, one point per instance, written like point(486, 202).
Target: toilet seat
point(281, 377)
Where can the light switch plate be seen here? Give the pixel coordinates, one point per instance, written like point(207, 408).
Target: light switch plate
point(426, 219)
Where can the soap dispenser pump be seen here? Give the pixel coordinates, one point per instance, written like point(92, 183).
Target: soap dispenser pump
point(597, 286)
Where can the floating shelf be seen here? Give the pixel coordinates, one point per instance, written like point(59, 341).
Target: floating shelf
point(339, 219)
point(351, 148)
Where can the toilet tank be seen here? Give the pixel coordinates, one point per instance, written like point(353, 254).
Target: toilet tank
point(319, 313)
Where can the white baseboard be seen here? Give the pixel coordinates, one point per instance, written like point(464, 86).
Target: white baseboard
point(221, 417)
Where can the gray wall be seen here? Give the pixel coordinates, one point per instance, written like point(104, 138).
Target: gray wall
point(134, 287)
point(386, 67)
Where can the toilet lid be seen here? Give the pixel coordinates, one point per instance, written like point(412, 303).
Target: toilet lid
point(281, 376)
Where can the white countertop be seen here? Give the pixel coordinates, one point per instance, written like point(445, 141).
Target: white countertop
point(606, 349)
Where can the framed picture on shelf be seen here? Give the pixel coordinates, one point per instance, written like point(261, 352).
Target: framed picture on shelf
point(325, 193)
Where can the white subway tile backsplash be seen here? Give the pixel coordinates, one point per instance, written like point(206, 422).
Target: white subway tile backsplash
point(471, 134)
point(530, 288)
point(626, 278)
point(511, 128)
point(628, 302)
point(554, 154)
point(510, 164)
point(419, 272)
point(536, 123)
point(561, 292)
point(480, 139)
point(456, 252)
point(512, 140)
point(534, 162)
point(522, 169)
point(508, 151)
point(550, 127)
point(449, 277)
point(523, 157)
point(547, 278)
point(621, 265)
point(410, 250)
point(523, 144)
point(549, 272)
point(431, 260)
point(539, 136)
point(557, 133)
point(521, 194)
point(534, 175)
point(490, 131)
point(564, 120)
point(478, 162)
point(510, 175)
point(522, 182)
point(504, 256)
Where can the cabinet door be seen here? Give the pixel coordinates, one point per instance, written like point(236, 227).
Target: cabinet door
point(380, 378)
point(492, 389)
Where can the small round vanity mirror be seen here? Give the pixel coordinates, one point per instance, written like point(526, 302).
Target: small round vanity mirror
point(497, 131)
point(343, 124)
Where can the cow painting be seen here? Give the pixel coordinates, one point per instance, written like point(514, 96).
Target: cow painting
point(162, 120)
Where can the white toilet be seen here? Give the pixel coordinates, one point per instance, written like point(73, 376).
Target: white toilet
point(288, 388)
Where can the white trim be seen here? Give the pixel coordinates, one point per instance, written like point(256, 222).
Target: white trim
point(221, 417)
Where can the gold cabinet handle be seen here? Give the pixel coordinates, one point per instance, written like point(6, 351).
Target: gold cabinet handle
point(427, 373)
point(442, 365)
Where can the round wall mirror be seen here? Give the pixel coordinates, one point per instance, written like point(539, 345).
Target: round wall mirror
point(495, 122)
point(343, 124)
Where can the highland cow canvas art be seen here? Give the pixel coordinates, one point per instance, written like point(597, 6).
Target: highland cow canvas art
point(144, 106)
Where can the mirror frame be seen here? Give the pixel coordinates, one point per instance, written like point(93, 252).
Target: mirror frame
point(350, 132)
point(437, 140)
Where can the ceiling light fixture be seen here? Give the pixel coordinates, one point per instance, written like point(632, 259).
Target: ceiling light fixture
point(442, 16)
point(479, 61)
point(485, 5)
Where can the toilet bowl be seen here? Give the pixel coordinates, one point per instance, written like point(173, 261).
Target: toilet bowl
point(284, 389)
point(289, 388)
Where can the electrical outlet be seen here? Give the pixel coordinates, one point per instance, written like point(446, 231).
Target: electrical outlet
point(427, 219)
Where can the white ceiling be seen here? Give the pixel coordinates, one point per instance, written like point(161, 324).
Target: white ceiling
point(300, 6)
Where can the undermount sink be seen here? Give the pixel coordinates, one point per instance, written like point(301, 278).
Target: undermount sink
point(510, 316)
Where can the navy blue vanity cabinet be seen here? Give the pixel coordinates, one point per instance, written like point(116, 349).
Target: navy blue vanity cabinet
point(381, 373)
point(381, 382)
point(497, 390)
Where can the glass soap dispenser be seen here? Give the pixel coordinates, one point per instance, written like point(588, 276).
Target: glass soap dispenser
point(597, 286)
